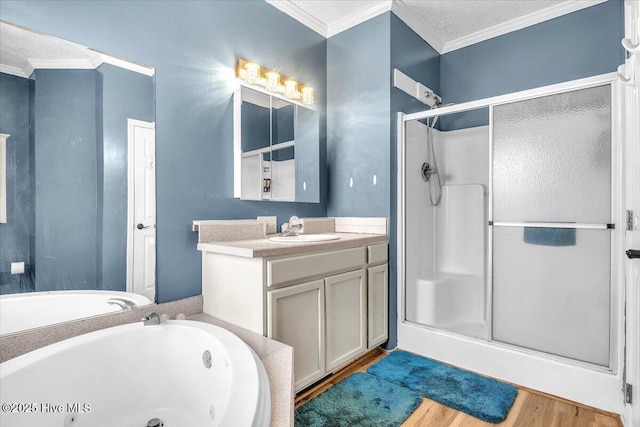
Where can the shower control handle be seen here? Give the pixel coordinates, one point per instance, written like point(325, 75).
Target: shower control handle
point(633, 253)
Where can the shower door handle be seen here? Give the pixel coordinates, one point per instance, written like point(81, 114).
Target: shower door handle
point(633, 253)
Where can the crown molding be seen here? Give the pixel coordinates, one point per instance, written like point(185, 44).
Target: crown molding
point(408, 17)
point(358, 18)
point(62, 64)
point(82, 64)
point(300, 15)
point(127, 65)
point(14, 71)
point(399, 8)
point(519, 23)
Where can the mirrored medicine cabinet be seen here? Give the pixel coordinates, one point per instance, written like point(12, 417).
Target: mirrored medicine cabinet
point(276, 148)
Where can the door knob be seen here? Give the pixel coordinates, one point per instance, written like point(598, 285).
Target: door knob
point(633, 253)
point(141, 226)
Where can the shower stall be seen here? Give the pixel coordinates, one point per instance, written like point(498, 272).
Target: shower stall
point(509, 265)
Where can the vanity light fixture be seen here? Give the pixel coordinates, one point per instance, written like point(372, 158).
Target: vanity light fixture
point(253, 74)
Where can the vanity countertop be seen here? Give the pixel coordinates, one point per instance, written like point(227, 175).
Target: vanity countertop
point(262, 248)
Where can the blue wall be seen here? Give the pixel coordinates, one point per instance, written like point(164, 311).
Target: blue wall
point(194, 47)
point(581, 44)
point(417, 59)
point(362, 107)
point(66, 179)
point(125, 95)
point(15, 234)
point(358, 112)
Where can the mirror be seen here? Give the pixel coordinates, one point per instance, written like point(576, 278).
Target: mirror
point(80, 180)
point(276, 148)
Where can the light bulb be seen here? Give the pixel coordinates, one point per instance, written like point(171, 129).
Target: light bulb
point(290, 89)
point(252, 72)
point(273, 81)
point(308, 95)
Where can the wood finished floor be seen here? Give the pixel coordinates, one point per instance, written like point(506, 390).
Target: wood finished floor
point(530, 409)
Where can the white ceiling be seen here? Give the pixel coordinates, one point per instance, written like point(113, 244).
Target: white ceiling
point(445, 24)
point(23, 50)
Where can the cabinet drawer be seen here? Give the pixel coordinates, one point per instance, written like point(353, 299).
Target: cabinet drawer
point(377, 253)
point(297, 268)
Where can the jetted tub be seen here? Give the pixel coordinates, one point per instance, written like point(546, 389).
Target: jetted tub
point(35, 309)
point(128, 375)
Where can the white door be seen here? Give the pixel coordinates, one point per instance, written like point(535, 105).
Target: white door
point(346, 316)
point(296, 317)
point(141, 257)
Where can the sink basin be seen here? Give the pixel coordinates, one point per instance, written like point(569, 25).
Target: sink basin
point(304, 238)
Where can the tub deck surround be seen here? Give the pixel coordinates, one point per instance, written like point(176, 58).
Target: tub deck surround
point(277, 359)
point(16, 344)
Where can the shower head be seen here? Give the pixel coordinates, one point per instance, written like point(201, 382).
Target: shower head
point(427, 96)
point(437, 101)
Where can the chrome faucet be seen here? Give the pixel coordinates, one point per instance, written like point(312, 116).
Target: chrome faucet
point(296, 226)
point(151, 319)
point(124, 304)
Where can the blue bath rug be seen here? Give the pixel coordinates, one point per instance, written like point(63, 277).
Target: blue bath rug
point(473, 394)
point(360, 400)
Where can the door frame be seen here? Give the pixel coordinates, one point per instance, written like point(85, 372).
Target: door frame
point(131, 125)
point(631, 413)
point(518, 365)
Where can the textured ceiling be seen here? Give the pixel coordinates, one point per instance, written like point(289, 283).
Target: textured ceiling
point(446, 24)
point(21, 48)
point(454, 19)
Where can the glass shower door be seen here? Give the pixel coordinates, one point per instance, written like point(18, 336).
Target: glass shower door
point(551, 175)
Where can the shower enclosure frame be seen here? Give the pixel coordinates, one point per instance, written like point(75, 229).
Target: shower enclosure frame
point(562, 376)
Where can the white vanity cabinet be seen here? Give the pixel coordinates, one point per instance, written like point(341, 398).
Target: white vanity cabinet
point(331, 306)
point(345, 297)
point(305, 304)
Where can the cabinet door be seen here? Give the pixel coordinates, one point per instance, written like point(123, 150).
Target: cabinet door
point(296, 318)
point(377, 294)
point(346, 311)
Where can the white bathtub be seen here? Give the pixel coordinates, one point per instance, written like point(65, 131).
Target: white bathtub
point(127, 375)
point(35, 309)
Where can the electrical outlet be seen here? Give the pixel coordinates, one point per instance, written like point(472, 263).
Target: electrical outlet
point(17, 268)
